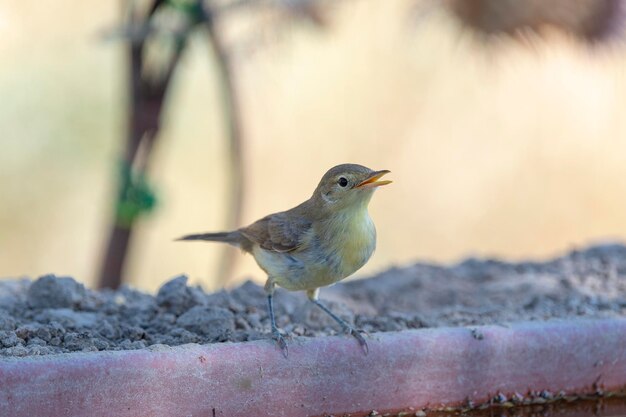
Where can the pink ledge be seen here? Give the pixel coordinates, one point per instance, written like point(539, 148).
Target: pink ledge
point(417, 368)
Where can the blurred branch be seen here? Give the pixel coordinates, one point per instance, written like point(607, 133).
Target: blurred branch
point(587, 20)
point(146, 104)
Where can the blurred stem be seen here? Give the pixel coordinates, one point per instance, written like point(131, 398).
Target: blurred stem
point(233, 117)
point(146, 105)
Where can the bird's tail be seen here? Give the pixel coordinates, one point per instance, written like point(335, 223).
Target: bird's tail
point(233, 238)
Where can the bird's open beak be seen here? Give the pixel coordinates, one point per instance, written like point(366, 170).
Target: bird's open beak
point(372, 180)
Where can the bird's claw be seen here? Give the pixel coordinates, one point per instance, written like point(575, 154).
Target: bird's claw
point(359, 337)
point(281, 342)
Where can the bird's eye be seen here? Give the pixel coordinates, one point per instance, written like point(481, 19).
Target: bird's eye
point(342, 182)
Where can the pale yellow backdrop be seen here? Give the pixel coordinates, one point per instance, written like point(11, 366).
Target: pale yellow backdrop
point(511, 150)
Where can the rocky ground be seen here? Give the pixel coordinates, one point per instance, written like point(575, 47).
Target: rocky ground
point(56, 314)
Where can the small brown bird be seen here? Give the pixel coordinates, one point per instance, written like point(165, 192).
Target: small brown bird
point(320, 242)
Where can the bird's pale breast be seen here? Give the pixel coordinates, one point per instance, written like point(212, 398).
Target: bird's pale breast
point(331, 251)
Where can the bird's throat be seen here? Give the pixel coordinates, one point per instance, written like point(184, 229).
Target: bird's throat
point(351, 236)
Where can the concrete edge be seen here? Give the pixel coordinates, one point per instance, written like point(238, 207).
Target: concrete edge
point(326, 375)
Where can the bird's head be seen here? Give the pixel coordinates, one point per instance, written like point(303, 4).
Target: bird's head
point(348, 186)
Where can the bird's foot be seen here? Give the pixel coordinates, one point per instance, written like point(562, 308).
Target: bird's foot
point(348, 329)
point(359, 337)
point(280, 341)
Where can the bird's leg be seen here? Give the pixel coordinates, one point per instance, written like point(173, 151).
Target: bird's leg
point(280, 340)
point(313, 296)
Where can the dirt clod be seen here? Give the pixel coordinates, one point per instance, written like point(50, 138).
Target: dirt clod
point(213, 322)
point(177, 297)
point(50, 291)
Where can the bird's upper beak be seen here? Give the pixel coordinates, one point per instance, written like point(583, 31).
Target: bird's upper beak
point(372, 180)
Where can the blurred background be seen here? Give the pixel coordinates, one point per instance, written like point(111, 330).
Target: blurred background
point(504, 129)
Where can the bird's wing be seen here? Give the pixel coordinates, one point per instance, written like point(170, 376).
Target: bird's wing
point(278, 232)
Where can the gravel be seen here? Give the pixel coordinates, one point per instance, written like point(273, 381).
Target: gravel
point(57, 314)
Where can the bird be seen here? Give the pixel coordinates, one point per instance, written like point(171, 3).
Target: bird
point(315, 244)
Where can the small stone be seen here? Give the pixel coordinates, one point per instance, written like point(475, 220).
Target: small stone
point(16, 351)
point(212, 322)
point(139, 344)
point(477, 334)
point(500, 398)
point(43, 333)
point(78, 341)
point(517, 398)
point(133, 332)
point(9, 339)
point(50, 291)
point(6, 321)
point(180, 336)
point(101, 344)
point(177, 297)
point(420, 413)
point(107, 330)
point(242, 324)
point(26, 331)
point(254, 319)
point(35, 341)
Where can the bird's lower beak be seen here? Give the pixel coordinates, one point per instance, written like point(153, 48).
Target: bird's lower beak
point(372, 180)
